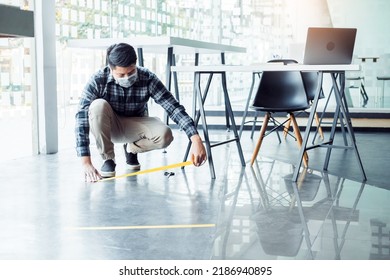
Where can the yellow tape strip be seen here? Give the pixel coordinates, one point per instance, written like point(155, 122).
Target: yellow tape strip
point(144, 227)
point(175, 165)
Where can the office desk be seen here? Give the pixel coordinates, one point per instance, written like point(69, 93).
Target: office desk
point(337, 73)
point(161, 44)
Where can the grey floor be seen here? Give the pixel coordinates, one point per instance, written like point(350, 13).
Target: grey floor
point(48, 212)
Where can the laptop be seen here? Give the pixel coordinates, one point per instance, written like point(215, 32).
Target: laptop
point(329, 45)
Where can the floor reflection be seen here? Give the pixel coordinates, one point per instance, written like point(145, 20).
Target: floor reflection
point(322, 216)
point(245, 213)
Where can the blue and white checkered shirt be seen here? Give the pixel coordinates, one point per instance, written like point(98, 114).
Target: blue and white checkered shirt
point(130, 102)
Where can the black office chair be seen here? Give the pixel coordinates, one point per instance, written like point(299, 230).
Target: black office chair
point(280, 91)
point(256, 115)
point(310, 81)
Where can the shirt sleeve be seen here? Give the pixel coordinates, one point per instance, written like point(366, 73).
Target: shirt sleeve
point(175, 110)
point(82, 124)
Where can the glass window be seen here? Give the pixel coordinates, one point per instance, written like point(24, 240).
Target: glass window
point(267, 29)
point(16, 98)
point(16, 92)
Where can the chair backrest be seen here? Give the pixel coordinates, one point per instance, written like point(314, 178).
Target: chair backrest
point(310, 81)
point(285, 61)
point(280, 91)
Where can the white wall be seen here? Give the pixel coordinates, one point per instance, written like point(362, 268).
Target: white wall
point(370, 17)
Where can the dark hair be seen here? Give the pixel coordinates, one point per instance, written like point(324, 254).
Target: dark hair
point(122, 55)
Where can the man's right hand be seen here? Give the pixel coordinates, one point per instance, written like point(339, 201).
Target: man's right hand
point(90, 172)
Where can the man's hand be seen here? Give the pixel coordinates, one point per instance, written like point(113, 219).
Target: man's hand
point(90, 172)
point(198, 152)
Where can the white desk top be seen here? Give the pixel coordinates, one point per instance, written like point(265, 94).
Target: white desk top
point(266, 67)
point(158, 44)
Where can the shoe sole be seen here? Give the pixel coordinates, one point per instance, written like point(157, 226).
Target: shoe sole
point(133, 167)
point(106, 174)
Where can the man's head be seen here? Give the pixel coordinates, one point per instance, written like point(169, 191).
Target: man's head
point(122, 61)
point(122, 55)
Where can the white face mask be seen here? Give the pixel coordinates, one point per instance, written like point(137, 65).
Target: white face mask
point(127, 82)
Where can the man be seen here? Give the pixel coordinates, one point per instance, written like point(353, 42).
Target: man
point(113, 107)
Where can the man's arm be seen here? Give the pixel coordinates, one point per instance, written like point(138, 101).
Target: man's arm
point(178, 114)
point(82, 132)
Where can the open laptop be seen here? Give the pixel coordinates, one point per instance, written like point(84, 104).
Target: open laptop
point(329, 45)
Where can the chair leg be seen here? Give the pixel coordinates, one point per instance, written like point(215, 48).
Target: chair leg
point(286, 128)
point(261, 136)
point(299, 139)
point(319, 125)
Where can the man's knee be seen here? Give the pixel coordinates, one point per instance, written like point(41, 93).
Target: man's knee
point(99, 107)
point(166, 137)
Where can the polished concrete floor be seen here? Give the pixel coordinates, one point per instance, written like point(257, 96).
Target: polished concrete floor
point(48, 212)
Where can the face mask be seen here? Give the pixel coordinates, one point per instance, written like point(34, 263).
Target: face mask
point(127, 82)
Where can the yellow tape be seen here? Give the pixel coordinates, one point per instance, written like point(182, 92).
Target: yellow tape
point(175, 165)
point(144, 227)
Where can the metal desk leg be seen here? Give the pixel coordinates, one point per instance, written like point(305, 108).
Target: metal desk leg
point(308, 126)
point(224, 82)
point(175, 82)
point(331, 137)
point(140, 57)
point(342, 103)
point(205, 128)
point(338, 116)
point(168, 77)
point(343, 118)
point(201, 114)
point(247, 103)
point(345, 105)
point(195, 85)
point(229, 112)
point(168, 72)
point(322, 114)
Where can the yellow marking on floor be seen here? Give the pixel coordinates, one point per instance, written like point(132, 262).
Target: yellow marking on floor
point(170, 166)
point(144, 227)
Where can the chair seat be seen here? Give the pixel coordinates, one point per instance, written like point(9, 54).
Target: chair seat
point(288, 110)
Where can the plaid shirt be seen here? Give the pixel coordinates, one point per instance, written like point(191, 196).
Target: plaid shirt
point(130, 102)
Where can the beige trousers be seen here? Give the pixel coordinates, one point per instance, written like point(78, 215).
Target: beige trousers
point(141, 133)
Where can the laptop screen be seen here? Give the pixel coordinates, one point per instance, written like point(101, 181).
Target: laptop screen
point(329, 45)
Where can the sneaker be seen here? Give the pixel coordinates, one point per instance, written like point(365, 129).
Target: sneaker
point(131, 160)
point(108, 169)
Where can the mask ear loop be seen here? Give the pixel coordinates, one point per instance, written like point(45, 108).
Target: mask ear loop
point(112, 74)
